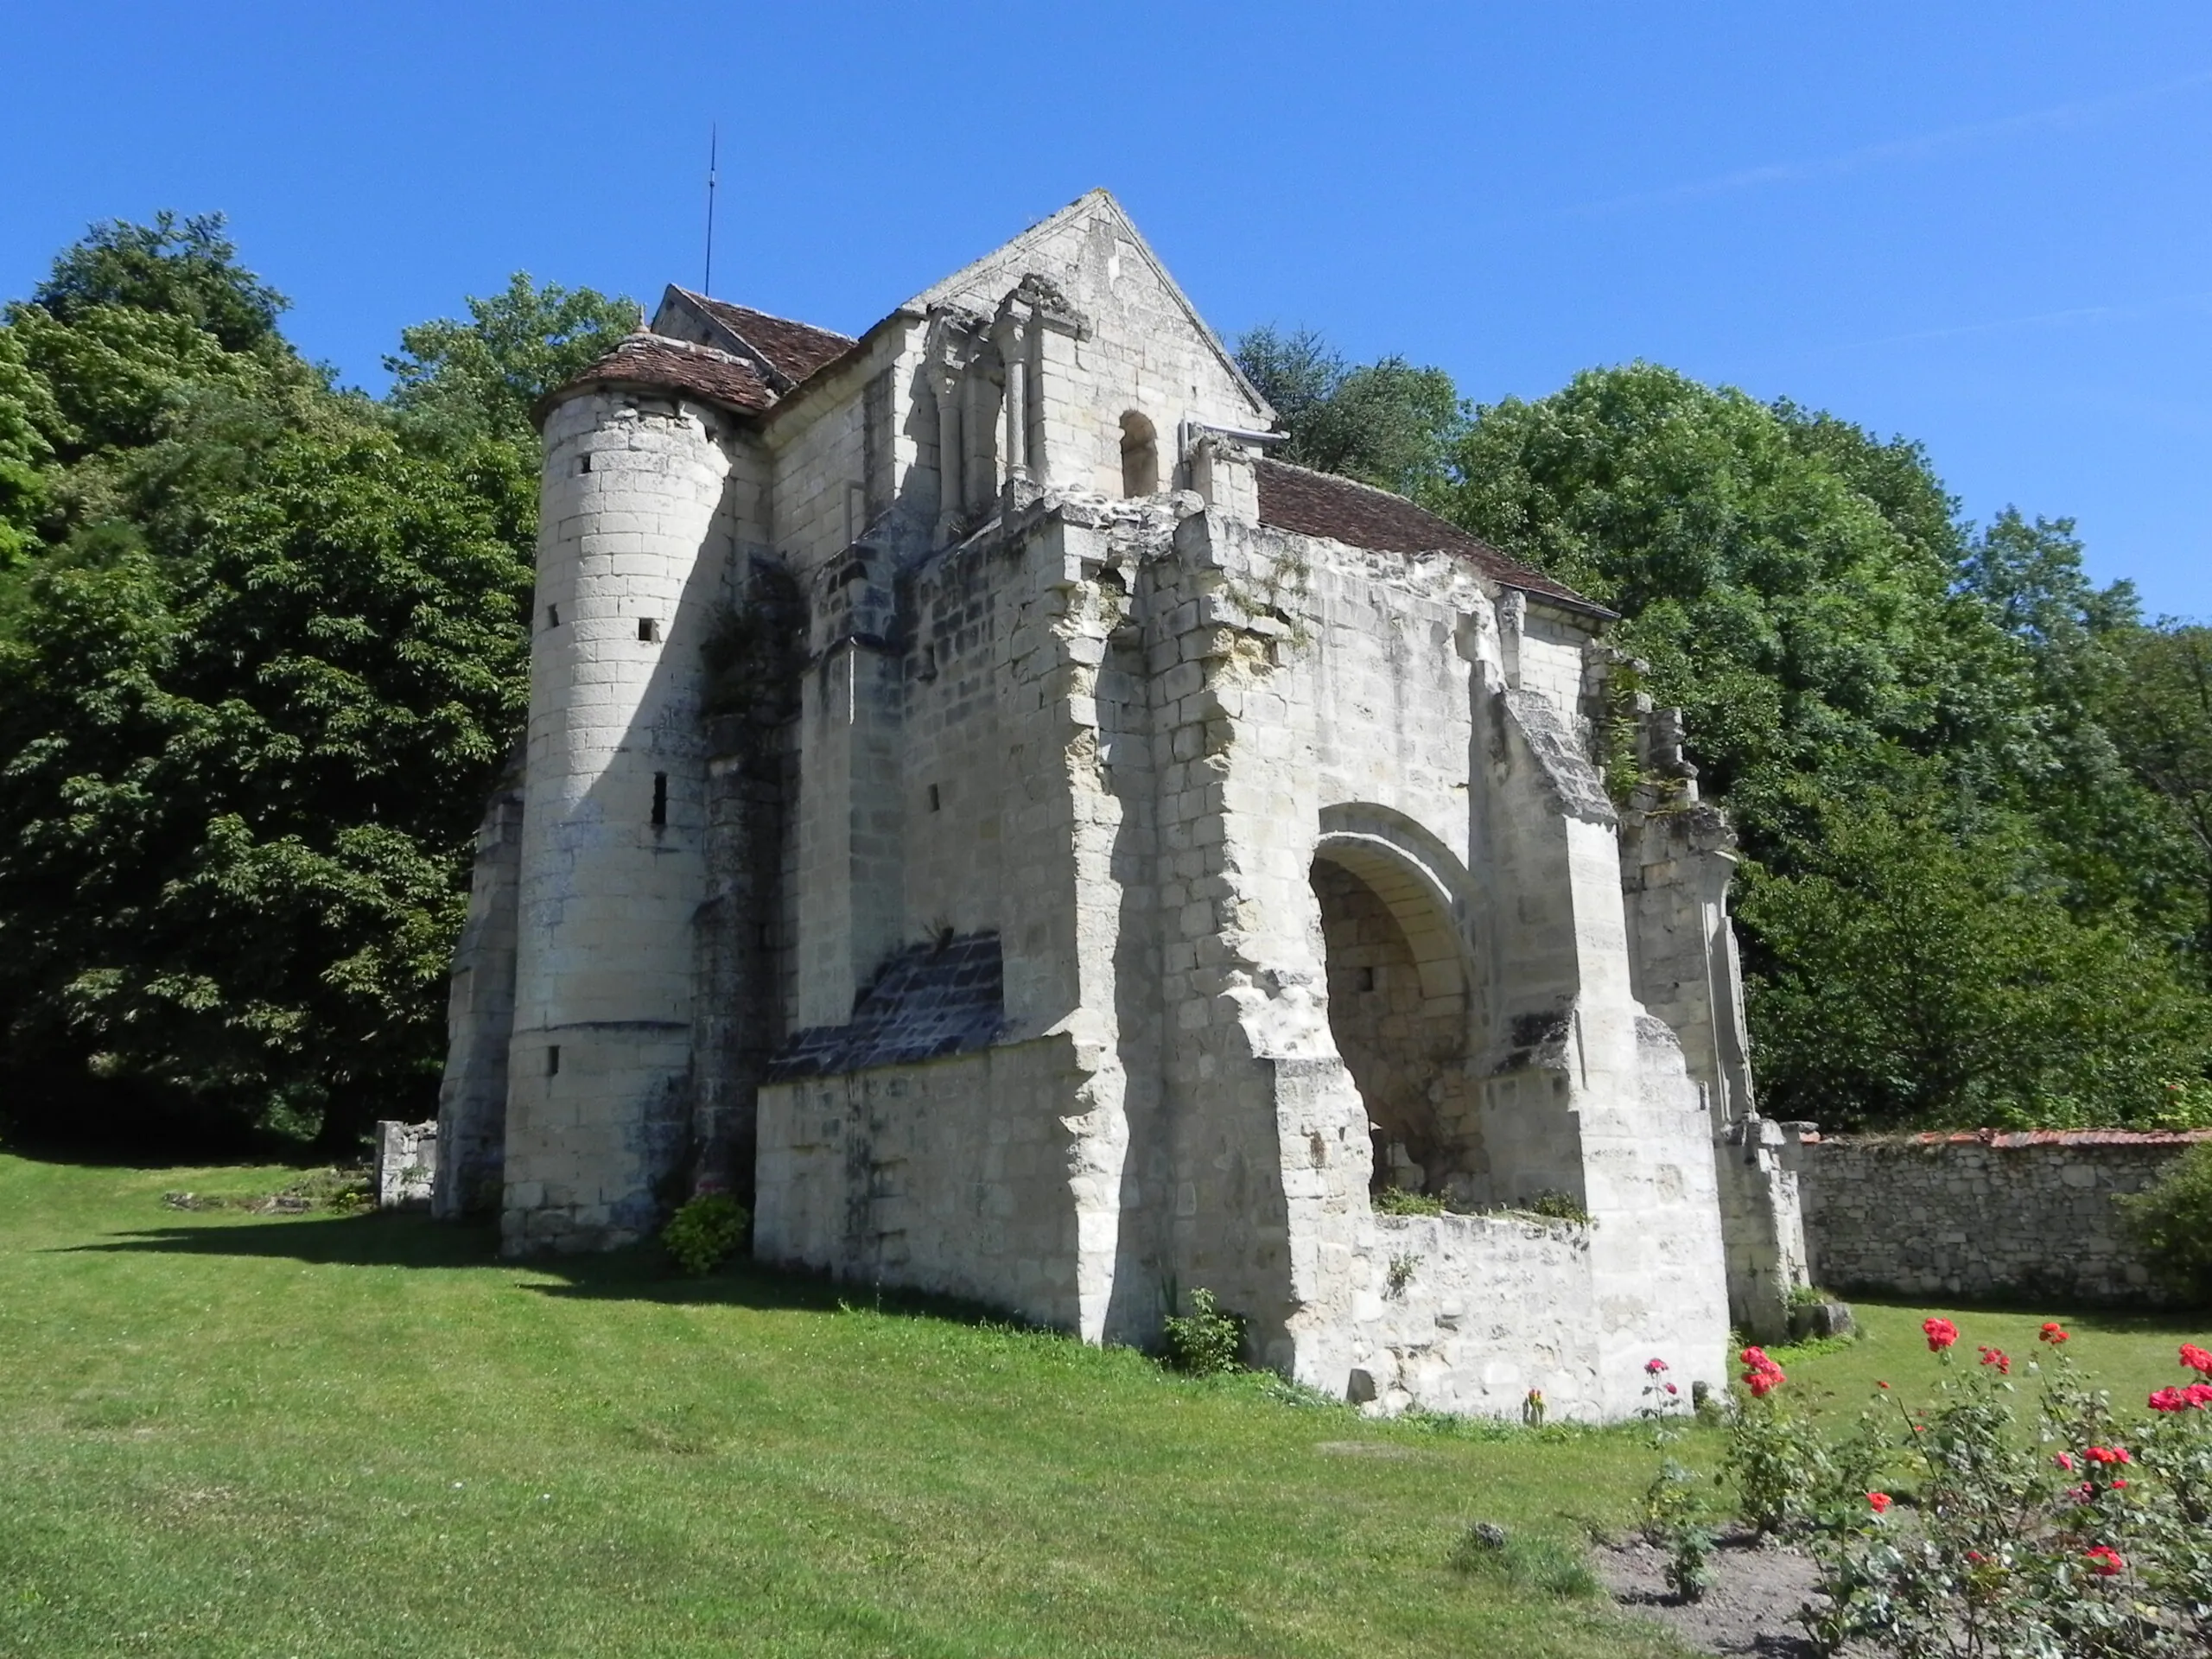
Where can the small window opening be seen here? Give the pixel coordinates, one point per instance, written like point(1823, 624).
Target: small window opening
point(553, 1059)
point(933, 799)
point(552, 616)
point(649, 630)
point(1139, 456)
point(660, 800)
point(583, 464)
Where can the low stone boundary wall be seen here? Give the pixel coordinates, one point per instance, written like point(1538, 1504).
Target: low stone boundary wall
point(1982, 1214)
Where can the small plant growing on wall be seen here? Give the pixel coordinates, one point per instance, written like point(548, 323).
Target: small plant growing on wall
point(706, 1232)
point(1205, 1342)
point(1558, 1206)
point(1397, 1201)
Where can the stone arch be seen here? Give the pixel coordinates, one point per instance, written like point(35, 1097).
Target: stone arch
point(1139, 456)
point(1405, 997)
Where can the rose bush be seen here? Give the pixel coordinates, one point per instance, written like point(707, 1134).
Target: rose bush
point(2089, 1537)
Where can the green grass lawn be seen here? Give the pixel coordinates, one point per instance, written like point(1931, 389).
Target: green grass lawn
point(231, 1434)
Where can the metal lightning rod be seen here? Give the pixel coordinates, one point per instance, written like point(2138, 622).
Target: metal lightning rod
point(714, 136)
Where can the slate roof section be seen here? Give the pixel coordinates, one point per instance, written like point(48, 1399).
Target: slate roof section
point(654, 360)
point(795, 350)
point(1359, 515)
point(927, 1001)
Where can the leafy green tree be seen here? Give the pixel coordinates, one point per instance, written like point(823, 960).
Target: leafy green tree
point(480, 378)
point(1387, 423)
point(240, 783)
point(254, 688)
point(2159, 712)
point(1915, 973)
point(187, 270)
point(28, 422)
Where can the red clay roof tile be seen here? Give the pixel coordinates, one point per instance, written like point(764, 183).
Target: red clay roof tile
point(1359, 515)
point(795, 350)
point(655, 360)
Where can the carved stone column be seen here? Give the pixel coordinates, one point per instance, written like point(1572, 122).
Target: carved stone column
point(1012, 336)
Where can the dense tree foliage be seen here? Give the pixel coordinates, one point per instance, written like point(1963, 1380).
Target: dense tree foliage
point(1387, 423)
point(1974, 789)
point(262, 652)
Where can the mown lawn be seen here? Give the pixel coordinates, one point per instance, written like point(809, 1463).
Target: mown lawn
point(231, 1434)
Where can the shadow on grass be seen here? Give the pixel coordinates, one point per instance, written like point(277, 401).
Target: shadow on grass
point(2129, 1320)
point(639, 1273)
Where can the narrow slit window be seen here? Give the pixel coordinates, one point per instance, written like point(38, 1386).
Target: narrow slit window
point(583, 464)
point(660, 800)
point(1367, 979)
point(552, 616)
point(934, 802)
point(649, 630)
point(553, 1059)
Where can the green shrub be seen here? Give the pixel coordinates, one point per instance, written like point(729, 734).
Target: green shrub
point(2172, 1222)
point(1397, 1201)
point(706, 1232)
point(1205, 1342)
point(1558, 1206)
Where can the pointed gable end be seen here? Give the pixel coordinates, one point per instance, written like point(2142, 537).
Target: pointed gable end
point(1101, 261)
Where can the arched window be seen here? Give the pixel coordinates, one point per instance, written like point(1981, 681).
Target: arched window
point(1139, 456)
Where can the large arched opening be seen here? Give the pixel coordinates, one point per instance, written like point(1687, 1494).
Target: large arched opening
point(1402, 1010)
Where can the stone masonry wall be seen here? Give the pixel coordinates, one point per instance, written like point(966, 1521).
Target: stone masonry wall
point(1982, 1215)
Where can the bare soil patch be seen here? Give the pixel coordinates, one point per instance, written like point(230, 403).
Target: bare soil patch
point(1751, 1608)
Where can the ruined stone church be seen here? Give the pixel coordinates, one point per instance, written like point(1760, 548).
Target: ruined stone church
point(1029, 844)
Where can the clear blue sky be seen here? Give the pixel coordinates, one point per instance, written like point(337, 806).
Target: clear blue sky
point(1984, 225)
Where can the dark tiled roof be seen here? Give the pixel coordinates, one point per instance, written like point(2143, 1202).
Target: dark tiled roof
point(655, 360)
point(794, 350)
point(927, 1001)
point(1359, 515)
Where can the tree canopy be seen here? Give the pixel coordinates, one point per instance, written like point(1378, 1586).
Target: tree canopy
point(263, 652)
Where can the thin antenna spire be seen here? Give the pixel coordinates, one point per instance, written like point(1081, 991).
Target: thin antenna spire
point(713, 138)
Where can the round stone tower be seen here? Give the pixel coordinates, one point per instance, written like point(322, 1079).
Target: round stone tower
point(631, 552)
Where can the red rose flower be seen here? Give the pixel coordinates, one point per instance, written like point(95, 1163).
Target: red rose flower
point(2108, 1562)
point(2064, 1460)
point(1998, 1357)
point(2169, 1399)
point(2108, 1454)
point(1881, 1501)
point(2051, 1333)
point(1941, 1333)
point(2197, 1358)
point(1653, 1367)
